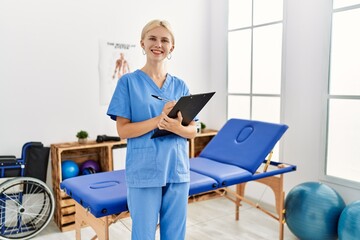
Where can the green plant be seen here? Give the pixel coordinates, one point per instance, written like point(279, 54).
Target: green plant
point(203, 126)
point(82, 134)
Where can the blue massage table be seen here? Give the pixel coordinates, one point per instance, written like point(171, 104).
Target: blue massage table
point(233, 157)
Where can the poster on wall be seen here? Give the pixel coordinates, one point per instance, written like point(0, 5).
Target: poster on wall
point(115, 60)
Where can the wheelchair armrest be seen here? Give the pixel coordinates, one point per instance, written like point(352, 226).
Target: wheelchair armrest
point(7, 159)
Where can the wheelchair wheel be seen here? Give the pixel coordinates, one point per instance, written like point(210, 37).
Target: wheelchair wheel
point(26, 207)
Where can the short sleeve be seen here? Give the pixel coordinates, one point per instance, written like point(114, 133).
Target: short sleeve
point(120, 101)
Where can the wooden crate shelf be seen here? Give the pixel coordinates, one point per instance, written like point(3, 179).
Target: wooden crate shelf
point(198, 143)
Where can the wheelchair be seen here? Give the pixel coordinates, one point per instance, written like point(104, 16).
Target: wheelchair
point(26, 203)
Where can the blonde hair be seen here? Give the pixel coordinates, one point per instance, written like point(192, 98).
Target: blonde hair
point(157, 23)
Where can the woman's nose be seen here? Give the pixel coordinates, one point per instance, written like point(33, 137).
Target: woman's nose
point(158, 44)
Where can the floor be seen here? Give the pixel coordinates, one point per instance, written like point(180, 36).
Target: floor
point(210, 220)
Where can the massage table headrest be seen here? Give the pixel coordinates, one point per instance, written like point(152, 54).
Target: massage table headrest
point(101, 193)
point(244, 143)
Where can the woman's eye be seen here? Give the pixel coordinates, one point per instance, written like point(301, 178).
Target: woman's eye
point(152, 39)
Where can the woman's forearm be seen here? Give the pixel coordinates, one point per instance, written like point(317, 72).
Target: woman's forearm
point(127, 129)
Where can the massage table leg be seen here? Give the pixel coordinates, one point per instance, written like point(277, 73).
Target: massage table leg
point(276, 185)
point(78, 224)
point(99, 225)
point(240, 189)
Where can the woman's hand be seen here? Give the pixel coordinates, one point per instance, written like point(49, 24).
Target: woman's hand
point(165, 122)
point(168, 106)
point(174, 124)
point(170, 124)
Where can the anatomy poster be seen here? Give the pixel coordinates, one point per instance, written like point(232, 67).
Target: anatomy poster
point(115, 60)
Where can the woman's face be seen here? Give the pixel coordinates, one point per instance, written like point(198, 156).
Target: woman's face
point(157, 44)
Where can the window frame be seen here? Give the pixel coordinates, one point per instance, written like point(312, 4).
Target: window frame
point(251, 93)
point(323, 170)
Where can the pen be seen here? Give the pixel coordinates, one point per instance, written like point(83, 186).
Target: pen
point(160, 98)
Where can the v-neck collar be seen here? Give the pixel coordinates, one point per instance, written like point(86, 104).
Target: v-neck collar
point(153, 84)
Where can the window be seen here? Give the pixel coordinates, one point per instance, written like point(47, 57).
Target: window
point(254, 60)
point(343, 129)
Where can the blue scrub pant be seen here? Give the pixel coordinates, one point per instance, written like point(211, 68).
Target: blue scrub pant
point(168, 205)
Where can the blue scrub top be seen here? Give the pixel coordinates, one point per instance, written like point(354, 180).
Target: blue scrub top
point(150, 162)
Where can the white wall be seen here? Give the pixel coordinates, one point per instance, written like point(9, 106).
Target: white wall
point(307, 35)
point(218, 65)
point(49, 86)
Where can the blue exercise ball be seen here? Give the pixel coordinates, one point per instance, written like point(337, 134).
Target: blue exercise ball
point(349, 222)
point(312, 211)
point(69, 169)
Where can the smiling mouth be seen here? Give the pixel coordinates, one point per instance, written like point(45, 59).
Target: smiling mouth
point(156, 51)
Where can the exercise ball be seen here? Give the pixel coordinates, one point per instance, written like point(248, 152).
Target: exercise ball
point(349, 222)
point(312, 211)
point(88, 166)
point(87, 171)
point(69, 169)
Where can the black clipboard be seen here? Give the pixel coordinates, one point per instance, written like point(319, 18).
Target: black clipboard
point(189, 106)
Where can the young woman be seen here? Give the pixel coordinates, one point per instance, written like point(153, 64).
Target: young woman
point(157, 170)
